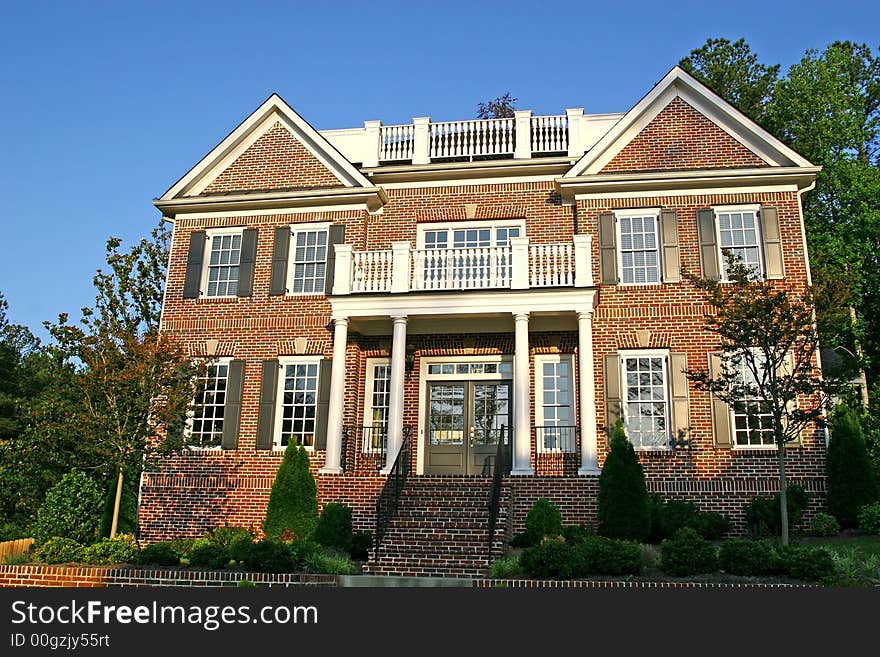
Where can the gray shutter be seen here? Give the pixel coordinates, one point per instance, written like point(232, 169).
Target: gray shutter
point(669, 242)
point(268, 391)
point(323, 408)
point(607, 249)
point(247, 261)
point(194, 260)
point(232, 407)
point(613, 402)
point(708, 244)
point(678, 386)
point(280, 251)
point(773, 260)
point(720, 410)
point(336, 236)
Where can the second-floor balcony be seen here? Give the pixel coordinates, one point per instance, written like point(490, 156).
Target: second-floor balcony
point(520, 265)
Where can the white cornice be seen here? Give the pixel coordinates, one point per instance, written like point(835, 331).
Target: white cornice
point(443, 172)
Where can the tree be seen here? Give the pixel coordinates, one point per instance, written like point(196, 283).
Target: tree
point(500, 108)
point(768, 342)
point(851, 482)
point(293, 502)
point(624, 511)
point(733, 71)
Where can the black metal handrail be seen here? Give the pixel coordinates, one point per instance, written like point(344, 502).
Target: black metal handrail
point(556, 438)
point(386, 503)
point(500, 468)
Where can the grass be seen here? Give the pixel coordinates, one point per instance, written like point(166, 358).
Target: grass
point(862, 544)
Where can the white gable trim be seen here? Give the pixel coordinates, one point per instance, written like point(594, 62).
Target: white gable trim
point(678, 83)
point(248, 132)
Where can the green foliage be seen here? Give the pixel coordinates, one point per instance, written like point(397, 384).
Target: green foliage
point(12, 531)
point(576, 534)
point(293, 502)
point(334, 527)
point(17, 559)
point(855, 569)
point(329, 564)
point(543, 519)
point(209, 555)
point(851, 482)
point(361, 544)
point(869, 518)
point(824, 524)
point(72, 509)
point(245, 584)
point(668, 516)
point(121, 549)
point(762, 513)
point(687, 553)
point(185, 545)
point(500, 108)
point(159, 554)
point(505, 568)
point(623, 495)
point(227, 535)
point(551, 560)
point(273, 556)
point(598, 555)
point(524, 540)
point(748, 558)
point(127, 522)
point(810, 564)
point(59, 549)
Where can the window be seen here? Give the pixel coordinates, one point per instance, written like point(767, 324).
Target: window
point(297, 403)
point(224, 256)
point(646, 399)
point(738, 233)
point(752, 420)
point(378, 399)
point(205, 425)
point(554, 403)
point(308, 260)
point(639, 247)
point(502, 369)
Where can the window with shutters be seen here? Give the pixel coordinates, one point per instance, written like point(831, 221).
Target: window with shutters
point(377, 403)
point(297, 402)
point(739, 233)
point(555, 428)
point(308, 259)
point(645, 388)
point(751, 419)
point(223, 249)
point(638, 237)
point(204, 427)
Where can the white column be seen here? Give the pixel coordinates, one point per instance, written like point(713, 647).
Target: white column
point(400, 257)
point(372, 143)
point(522, 408)
point(395, 402)
point(523, 121)
point(421, 140)
point(519, 259)
point(575, 143)
point(337, 397)
point(587, 396)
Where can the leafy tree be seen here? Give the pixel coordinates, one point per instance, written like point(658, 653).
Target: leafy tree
point(499, 108)
point(624, 511)
point(293, 502)
point(851, 482)
point(71, 510)
point(733, 71)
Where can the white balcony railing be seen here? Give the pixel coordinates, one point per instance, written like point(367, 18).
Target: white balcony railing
point(518, 266)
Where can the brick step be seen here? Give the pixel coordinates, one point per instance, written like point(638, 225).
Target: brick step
point(401, 523)
point(439, 542)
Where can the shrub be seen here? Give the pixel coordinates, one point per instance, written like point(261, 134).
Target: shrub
point(16, 559)
point(185, 545)
point(851, 482)
point(59, 550)
point(576, 534)
point(749, 558)
point(524, 540)
point(505, 568)
point(12, 531)
point(543, 519)
point(293, 502)
point(245, 584)
point(328, 564)
point(598, 555)
point(551, 560)
point(269, 556)
point(72, 509)
point(109, 551)
point(711, 525)
point(810, 564)
point(623, 495)
point(226, 535)
point(824, 524)
point(361, 544)
point(334, 527)
point(159, 554)
point(762, 513)
point(240, 547)
point(209, 555)
point(668, 516)
point(687, 553)
point(869, 518)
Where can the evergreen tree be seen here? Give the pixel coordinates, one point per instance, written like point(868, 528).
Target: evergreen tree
point(851, 482)
point(623, 494)
point(293, 502)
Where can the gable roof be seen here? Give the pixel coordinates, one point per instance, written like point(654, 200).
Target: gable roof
point(678, 83)
point(273, 111)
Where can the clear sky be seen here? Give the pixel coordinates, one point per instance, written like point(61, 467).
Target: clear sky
point(104, 105)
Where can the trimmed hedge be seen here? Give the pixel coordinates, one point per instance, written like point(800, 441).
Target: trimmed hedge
point(687, 553)
point(749, 558)
point(595, 555)
point(111, 551)
point(763, 516)
point(159, 554)
point(72, 509)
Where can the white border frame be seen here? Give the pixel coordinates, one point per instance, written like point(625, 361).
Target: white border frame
point(211, 233)
point(291, 246)
point(283, 362)
point(638, 212)
point(649, 353)
point(190, 414)
point(748, 207)
point(540, 359)
point(371, 365)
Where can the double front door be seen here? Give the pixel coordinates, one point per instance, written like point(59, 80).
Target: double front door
point(466, 420)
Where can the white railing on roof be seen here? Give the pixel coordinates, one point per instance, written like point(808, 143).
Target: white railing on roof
point(371, 271)
point(471, 138)
point(551, 265)
point(549, 134)
point(396, 142)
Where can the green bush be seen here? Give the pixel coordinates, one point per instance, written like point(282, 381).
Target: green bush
point(271, 556)
point(543, 519)
point(16, 559)
point(12, 531)
point(184, 545)
point(245, 584)
point(334, 527)
point(505, 568)
point(623, 495)
point(869, 518)
point(72, 509)
point(598, 555)
point(58, 549)
point(824, 524)
point(226, 535)
point(524, 540)
point(687, 553)
point(109, 551)
point(762, 513)
point(851, 481)
point(810, 564)
point(711, 525)
point(329, 564)
point(209, 555)
point(748, 558)
point(551, 560)
point(361, 544)
point(293, 502)
point(668, 516)
point(576, 534)
point(159, 554)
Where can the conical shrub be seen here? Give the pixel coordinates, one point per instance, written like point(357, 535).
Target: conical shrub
point(293, 502)
point(623, 494)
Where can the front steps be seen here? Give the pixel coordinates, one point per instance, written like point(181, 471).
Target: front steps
point(441, 529)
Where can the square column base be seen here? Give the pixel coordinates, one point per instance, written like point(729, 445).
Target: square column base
point(589, 472)
point(521, 472)
point(330, 471)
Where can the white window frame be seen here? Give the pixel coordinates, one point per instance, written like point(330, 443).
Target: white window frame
point(461, 360)
point(283, 362)
point(372, 364)
point(291, 254)
point(727, 209)
point(772, 446)
point(639, 212)
point(540, 359)
point(493, 224)
point(647, 353)
point(191, 412)
point(210, 234)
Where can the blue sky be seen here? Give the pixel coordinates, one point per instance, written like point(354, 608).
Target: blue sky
point(104, 105)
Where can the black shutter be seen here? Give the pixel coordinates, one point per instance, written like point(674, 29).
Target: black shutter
point(323, 408)
point(232, 407)
point(607, 249)
point(268, 390)
point(278, 284)
point(336, 236)
point(246, 262)
point(194, 259)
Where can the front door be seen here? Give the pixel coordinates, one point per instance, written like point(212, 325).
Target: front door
point(465, 421)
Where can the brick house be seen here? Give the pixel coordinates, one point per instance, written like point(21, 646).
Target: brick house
point(429, 291)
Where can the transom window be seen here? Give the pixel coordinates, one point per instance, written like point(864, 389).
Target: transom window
point(646, 399)
point(752, 419)
point(298, 400)
point(309, 260)
point(738, 233)
point(639, 248)
point(224, 256)
point(503, 368)
point(554, 407)
point(206, 422)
